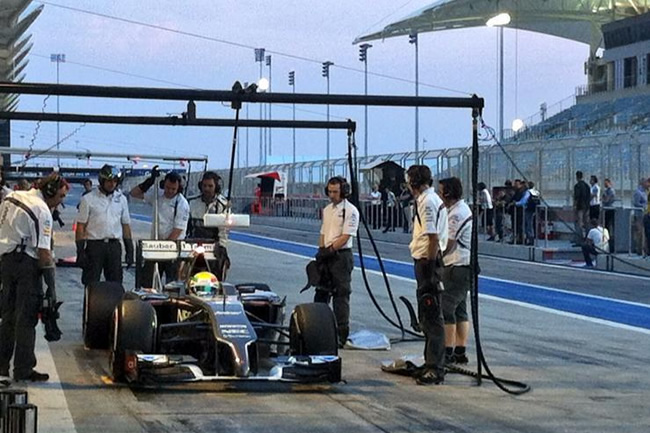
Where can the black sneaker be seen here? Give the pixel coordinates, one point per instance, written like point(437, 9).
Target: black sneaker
point(34, 376)
point(450, 359)
point(429, 378)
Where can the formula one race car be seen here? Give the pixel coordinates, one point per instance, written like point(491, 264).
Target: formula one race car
point(203, 329)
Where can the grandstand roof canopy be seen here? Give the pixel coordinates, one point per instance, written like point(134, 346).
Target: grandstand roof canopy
point(14, 47)
point(578, 20)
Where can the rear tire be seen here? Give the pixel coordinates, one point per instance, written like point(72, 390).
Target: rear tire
point(134, 330)
point(312, 330)
point(100, 299)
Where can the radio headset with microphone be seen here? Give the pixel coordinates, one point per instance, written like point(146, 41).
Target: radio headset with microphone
point(214, 176)
point(173, 177)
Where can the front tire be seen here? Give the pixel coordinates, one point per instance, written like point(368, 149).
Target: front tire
point(134, 329)
point(100, 299)
point(312, 330)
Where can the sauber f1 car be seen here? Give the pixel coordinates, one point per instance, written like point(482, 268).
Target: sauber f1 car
point(203, 329)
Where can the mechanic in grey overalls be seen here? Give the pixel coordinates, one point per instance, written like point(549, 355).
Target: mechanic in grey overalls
point(103, 221)
point(173, 214)
point(210, 201)
point(25, 247)
point(340, 225)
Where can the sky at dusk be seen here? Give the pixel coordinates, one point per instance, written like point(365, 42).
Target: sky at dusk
point(212, 47)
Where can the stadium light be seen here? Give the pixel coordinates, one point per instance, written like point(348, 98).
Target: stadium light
point(502, 19)
point(517, 125)
point(263, 85)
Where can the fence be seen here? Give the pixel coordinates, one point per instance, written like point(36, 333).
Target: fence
point(623, 157)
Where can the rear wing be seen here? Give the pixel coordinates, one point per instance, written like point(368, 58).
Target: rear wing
point(167, 250)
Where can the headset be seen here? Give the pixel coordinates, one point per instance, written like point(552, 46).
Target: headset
point(174, 177)
point(214, 176)
point(51, 184)
point(345, 186)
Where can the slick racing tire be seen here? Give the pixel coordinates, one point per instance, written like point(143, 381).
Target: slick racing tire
point(312, 330)
point(100, 300)
point(134, 329)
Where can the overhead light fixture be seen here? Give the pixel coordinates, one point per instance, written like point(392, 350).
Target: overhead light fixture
point(263, 85)
point(503, 19)
point(517, 125)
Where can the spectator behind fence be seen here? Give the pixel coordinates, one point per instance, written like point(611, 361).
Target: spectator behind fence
point(646, 219)
point(487, 210)
point(518, 212)
point(581, 199)
point(406, 200)
point(594, 200)
point(640, 203)
point(375, 205)
point(607, 202)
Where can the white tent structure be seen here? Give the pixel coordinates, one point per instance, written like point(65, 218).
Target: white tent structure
point(578, 20)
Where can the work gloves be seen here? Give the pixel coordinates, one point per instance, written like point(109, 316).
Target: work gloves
point(82, 258)
point(128, 252)
point(325, 253)
point(50, 308)
point(144, 186)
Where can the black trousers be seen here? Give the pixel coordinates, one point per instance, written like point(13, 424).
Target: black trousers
point(103, 257)
point(21, 299)
point(430, 315)
point(340, 268)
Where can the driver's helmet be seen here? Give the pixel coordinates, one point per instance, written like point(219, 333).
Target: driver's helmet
point(204, 284)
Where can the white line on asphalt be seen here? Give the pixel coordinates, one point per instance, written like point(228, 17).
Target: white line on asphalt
point(495, 298)
point(53, 412)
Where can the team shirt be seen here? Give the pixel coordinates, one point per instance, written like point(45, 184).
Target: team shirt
point(485, 199)
point(18, 227)
point(430, 218)
point(600, 237)
point(173, 213)
point(595, 201)
point(103, 214)
point(460, 229)
point(340, 219)
point(198, 208)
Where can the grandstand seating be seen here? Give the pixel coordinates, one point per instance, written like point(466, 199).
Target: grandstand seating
point(631, 112)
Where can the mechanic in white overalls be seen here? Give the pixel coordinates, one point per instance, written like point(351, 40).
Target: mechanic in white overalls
point(210, 201)
point(26, 251)
point(173, 215)
point(103, 221)
point(340, 225)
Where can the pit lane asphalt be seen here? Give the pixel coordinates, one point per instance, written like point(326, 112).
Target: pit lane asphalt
point(585, 376)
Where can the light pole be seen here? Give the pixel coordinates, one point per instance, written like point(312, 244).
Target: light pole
point(413, 39)
point(268, 63)
point(292, 83)
point(326, 74)
point(500, 20)
point(57, 58)
point(363, 57)
point(247, 129)
point(259, 57)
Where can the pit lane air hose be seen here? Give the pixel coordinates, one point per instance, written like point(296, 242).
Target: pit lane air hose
point(501, 383)
point(521, 387)
point(352, 158)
